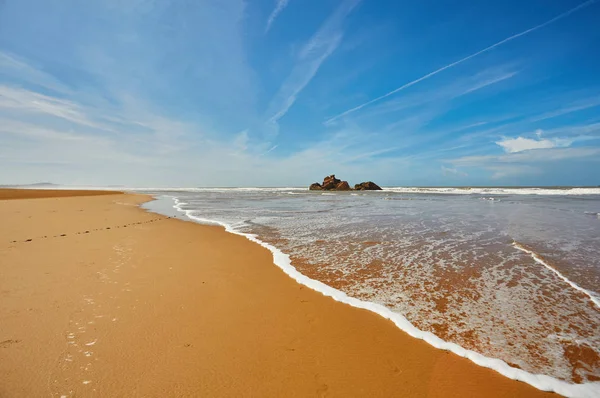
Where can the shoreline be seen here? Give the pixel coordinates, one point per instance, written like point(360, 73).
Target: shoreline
point(196, 311)
point(281, 260)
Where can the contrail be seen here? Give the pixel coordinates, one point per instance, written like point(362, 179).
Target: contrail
point(281, 4)
point(556, 18)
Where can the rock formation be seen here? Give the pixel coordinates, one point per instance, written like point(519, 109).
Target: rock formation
point(330, 183)
point(343, 186)
point(367, 186)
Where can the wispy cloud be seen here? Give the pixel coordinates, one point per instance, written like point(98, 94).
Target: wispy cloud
point(128, 94)
point(449, 171)
point(579, 106)
point(409, 123)
point(544, 155)
point(16, 68)
point(279, 6)
point(447, 92)
point(42, 133)
point(460, 61)
point(310, 58)
point(66, 146)
point(507, 170)
point(490, 81)
point(531, 155)
point(21, 100)
point(444, 93)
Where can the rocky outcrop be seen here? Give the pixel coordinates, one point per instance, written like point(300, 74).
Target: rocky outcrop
point(330, 183)
point(343, 186)
point(367, 186)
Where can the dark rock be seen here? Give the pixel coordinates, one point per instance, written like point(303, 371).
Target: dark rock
point(367, 186)
point(330, 183)
point(343, 186)
point(329, 186)
point(330, 180)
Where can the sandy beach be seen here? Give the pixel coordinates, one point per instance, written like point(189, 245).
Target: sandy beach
point(101, 298)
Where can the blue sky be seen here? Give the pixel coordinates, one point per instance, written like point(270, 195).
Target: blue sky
point(283, 92)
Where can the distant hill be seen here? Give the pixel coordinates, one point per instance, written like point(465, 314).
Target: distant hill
point(37, 184)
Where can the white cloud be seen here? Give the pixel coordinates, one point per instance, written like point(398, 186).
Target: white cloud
point(527, 162)
point(520, 144)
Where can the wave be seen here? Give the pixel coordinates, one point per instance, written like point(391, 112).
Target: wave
point(282, 260)
point(539, 260)
point(415, 190)
point(496, 191)
point(241, 189)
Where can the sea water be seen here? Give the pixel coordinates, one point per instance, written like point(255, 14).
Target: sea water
point(507, 277)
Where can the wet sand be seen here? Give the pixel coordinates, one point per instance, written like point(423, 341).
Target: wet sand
point(100, 298)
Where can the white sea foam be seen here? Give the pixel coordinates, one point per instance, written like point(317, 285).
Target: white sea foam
point(408, 190)
point(244, 189)
point(282, 260)
point(496, 191)
point(575, 286)
point(417, 190)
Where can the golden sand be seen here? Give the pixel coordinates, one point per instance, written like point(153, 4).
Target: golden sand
point(100, 298)
point(10, 193)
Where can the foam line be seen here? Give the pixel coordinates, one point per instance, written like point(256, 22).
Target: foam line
point(575, 286)
point(418, 190)
point(497, 191)
point(539, 381)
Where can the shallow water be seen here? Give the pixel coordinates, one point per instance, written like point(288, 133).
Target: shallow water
point(511, 274)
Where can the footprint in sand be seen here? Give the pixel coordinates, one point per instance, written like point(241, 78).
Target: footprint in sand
point(8, 343)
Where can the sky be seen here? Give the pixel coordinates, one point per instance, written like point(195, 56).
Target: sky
point(187, 93)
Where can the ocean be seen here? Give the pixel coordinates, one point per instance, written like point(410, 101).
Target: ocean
point(508, 277)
